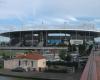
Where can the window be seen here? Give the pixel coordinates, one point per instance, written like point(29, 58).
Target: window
point(19, 62)
point(26, 62)
point(32, 63)
point(43, 63)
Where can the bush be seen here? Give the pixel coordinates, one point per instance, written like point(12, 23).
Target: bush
point(62, 54)
point(82, 49)
point(62, 63)
point(89, 50)
point(1, 66)
point(56, 71)
point(68, 57)
point(71, 48)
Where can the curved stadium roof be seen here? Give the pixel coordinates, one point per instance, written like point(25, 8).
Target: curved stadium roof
point(61, 28)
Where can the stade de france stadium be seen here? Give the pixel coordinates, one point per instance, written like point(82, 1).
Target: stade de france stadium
point(49, 38)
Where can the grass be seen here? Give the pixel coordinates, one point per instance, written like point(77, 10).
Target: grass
point(11, 52)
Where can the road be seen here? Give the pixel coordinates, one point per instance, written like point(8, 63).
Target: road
point(11, 78)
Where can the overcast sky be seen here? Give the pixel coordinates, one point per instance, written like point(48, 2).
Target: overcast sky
point(51, 12)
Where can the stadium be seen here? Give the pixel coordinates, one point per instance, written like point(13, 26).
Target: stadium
point(47, 41)
point(49, 38)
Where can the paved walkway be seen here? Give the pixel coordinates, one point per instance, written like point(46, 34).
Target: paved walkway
point(44, 76)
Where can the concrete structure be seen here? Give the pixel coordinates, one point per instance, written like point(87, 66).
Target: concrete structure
point(45, 38)
point(29, 62)
point(51, 55)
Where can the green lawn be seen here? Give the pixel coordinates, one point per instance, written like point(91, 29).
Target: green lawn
point(11, 52)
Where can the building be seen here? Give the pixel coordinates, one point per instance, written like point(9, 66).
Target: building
point(44, 39)
point(29, 62)
point(51, 55)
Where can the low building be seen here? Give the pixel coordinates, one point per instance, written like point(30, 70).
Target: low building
point(51, 55)
point(29, 62)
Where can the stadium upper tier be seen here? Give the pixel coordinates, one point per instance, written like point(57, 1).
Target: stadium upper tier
point(62, 28)
point(60, 31)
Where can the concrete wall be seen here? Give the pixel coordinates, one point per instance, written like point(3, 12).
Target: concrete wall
point(41, 64)
point(11, 64)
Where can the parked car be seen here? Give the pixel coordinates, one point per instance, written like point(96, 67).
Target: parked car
point(18, 69)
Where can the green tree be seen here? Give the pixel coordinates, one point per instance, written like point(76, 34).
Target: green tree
point(71, 48)
point(89, 49)
point(68, 57)
point(64, 55)
point(28, 52)
point(4, 56)
point(74, 48)
point(82, 49)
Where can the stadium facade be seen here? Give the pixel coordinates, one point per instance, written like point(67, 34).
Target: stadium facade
point(45, 38)
point(47, 41)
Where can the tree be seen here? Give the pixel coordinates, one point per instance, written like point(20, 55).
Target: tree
point(68, 57)
point(74, 48)
point(82, 49)
point(64, 55)
point(28, 52)
point(71, 48)
point(89, 49)
point(4, 56)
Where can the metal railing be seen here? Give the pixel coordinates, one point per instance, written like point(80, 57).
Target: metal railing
point(31, 48)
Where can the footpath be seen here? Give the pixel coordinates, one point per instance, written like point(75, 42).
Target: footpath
point(42, 75)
